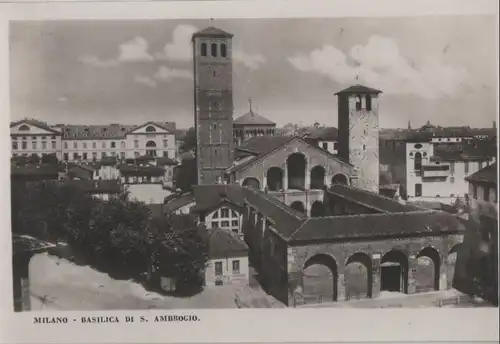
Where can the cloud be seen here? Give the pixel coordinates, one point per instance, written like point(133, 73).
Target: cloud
point(380, 64)
point(180, 48)
point(146, 81)
point(135, 50)
point(94, 61)
point(252, 61)
point(166, 74)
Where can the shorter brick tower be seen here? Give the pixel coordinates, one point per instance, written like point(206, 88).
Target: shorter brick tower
point(358, 138)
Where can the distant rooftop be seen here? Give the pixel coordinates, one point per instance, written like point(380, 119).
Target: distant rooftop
point(252, 118)
point(488, 174)
point(324, 134)
point(358, 89)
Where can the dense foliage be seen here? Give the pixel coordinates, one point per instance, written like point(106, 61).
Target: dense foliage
point(189, 140)
point(185, 175)
point(117, 236)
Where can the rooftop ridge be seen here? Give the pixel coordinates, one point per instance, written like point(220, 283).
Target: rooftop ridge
point(278, 203)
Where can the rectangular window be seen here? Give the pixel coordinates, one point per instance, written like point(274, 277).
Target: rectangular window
point(218, 268)
point(14, 144)
point(53, 137)
point(224, 224)
point(84, 145)
point(418, 190)
point(75, 145)
point(94, 155)
point(224, 212)
point(33, 137)
point(122, 144)
point(65, 157)
point(325, 145)
point(44, 145)
point(84, 156)
point(165, 143)
point(104, 144)
point(368, 102)
point(136, 143)
point(165, 154)
point(24, 145)
point(236, 266)
point(65, 145)
point(474, 191)
point(358, 102)
point(234, 223)
point(215, 224)
point(480, 165)
point(75, 156)
point(122, 155)
point(113, 144)
point(136, 154)
point(33, 144)
point(452, 168)
point(486, 193)
point(103, 154)
point(94, 145)
point(44, 137)
point(53, 144)
point(466, 167)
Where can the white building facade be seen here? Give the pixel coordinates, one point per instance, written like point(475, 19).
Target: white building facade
point(30, 137)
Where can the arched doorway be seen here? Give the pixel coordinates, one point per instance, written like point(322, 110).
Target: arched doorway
point(358, 276)
point(451, 261)
point(319, 279)
point(318, 209)
point(251, 182)
point(296, 167)
point(427, 272)
point(318, 177)
point(299, 206)
point(394, 272)
point(151, 148)
point(340, 178)
point(275, 179)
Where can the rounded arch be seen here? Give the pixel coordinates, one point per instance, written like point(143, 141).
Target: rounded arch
point(318, 177)
point(275, 178)
point(150, 129)
point(451, 261)
point(251, 182)
point(358, 276)
point(427, 271)
point(213, 49)
point(318, 209)
point(296, 166)
point(340, 178)
point(394, 271)
point(150, 144)
point(417, 163)
point(203, 49)
point(299, 206)
point(223, 50)
point(319, 277)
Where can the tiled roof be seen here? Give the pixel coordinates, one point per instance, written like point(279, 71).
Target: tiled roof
point(168, 126)
point(208, 197)
point(285, 219)
point(448, 132)
point(356, 89)
point(252, 118)
point(175, 202)
point(212, 32)
point(378, 225)
point(45, 170)
point(488, 174)
point(35, 123)
point(324, 134)
point(134, 170)
point(223, 244)
point(370, 200)
point(106, 132)
point(96, 186)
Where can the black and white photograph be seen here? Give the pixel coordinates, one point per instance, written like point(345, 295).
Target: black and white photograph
point(253, 163)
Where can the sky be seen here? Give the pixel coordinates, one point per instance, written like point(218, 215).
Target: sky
point(441, 69)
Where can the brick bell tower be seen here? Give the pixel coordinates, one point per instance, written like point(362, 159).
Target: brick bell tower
point(213, 101)
point(358, 138)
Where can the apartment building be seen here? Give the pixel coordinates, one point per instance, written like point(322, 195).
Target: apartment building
point(30, 137)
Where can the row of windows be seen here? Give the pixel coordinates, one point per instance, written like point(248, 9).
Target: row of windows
point(94, 155)
point(235, 267)
point(34, 145)
point(113, 144)
point(53, 137)
point(489, 194)
point(214, 49)
point(368, 102)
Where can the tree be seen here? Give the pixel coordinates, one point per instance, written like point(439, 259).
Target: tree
point(50, 159)
point(33, 159)
point(185, 175)
point(180, 250)
point(189, 140)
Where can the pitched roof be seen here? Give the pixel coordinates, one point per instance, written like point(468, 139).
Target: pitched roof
point(175, 202)
point(284, 218)
point(378, 225)
point(35, 123)
point(106, 132)
point(357, 89)
point(208, 197)
point(168, 126)
point(212, 32)
point(252, 118)
point(260, 146)
point(488, 174)
point(324, 134)
point(223, 244)
point(370, 200)
point(466, 155)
